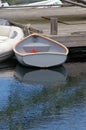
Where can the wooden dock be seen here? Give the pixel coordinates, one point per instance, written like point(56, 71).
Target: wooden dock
point(71, 20)
point(71, 25)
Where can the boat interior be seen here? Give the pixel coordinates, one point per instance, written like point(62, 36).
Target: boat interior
point(28, 48)
point(37, 48)
point(36, 44)
point(9, 32)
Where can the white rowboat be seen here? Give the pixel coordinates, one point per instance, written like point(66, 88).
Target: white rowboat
point(40, 51)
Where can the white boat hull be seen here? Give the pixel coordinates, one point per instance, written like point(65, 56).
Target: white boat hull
point(33, 4)
point(42, 60)
point(9, 35)
point(40, 51)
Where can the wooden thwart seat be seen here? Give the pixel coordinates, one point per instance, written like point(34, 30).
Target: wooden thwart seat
point(36, 48)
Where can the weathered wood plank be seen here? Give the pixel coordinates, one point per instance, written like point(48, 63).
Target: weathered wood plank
point(71, 41)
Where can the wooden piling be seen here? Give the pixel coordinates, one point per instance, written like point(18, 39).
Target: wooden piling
point(54, 27)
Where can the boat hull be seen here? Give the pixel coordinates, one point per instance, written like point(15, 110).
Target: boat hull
point(33, 4)
point(40, 51)
point(42, 60)
point(9, 35)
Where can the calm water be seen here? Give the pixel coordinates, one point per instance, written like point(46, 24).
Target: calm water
point(51, 99)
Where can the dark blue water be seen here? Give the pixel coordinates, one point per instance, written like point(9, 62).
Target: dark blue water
point(50, 99)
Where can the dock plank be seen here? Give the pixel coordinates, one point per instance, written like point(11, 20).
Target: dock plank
point(71, 22)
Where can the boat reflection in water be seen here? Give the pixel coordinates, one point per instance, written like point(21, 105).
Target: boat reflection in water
point(41, 76)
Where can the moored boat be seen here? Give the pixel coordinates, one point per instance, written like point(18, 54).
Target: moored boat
point(40, 51)
point(35, 3)
point(9, 35)
point(3, 4)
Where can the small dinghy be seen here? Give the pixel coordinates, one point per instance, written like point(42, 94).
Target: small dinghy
point(40, 51)
point(9, 35)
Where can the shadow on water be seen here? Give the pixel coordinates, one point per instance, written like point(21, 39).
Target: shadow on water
point(37, 98)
